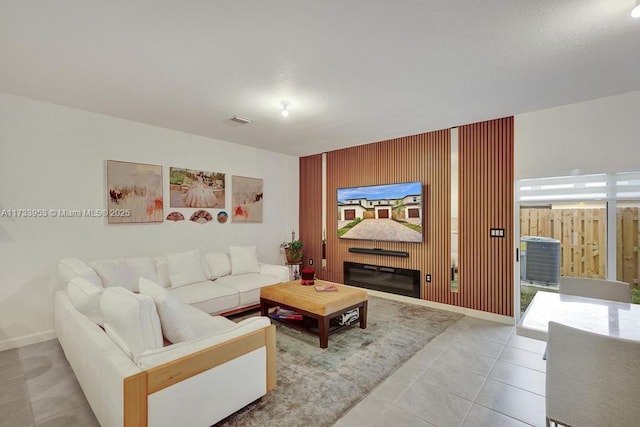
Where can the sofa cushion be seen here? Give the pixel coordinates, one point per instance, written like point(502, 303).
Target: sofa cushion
point(69, 268)
point(219, 264)
point(279, 272)
point(115, 272)
point(205, 324)
point(85, 297)
point(248, 286)
point(162, 268)
point(143, 267)
point(208, 296)
point(173, 315)
point(133, 318)
point(244, 260)
point(152, 358)
point(125, 272)
point(187, 267)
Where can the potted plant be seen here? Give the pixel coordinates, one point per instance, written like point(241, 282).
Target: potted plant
point(293, 251)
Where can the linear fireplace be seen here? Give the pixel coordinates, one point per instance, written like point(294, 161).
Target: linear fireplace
point(399, 281)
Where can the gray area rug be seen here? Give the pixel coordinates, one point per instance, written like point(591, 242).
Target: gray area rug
point(316, 387)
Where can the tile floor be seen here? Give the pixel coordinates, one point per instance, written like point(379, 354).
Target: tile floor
point(476, 373)
point(38, 388)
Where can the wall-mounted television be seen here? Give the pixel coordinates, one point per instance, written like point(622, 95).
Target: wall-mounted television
point(387, 212)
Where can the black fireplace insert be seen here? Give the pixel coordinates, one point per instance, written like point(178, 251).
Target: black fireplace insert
point(399, 281)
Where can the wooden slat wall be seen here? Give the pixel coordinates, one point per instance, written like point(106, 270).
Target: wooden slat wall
point(486, 197)
point(311, 209)
point(486, 201)
point(424, 158)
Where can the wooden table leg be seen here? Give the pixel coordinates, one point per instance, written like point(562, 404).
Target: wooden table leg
point(362, 311)
point(264, 309)
point(323, 331)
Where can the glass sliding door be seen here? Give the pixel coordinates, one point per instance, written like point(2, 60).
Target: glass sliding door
point(561, 239)
point(585, 225)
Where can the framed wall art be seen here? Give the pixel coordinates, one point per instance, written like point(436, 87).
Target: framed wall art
point(246, 199)
point(134, 192)
point(191, 188)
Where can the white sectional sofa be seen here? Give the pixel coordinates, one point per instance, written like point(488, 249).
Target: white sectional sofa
point(215, 282)
point(146, 352)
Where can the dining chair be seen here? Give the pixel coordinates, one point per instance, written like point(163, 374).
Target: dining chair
point(595, 288)
point(591, 379)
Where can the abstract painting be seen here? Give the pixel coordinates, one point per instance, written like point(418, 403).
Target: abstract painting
point(196, 189)
point(246, 199)
point(134, 192)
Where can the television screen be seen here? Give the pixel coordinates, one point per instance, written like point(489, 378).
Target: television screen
point(388, 212)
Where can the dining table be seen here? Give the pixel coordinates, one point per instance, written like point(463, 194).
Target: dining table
point(595, 315)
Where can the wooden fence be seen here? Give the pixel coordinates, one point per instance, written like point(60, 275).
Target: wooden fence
point(628, 258)
point(583, 239)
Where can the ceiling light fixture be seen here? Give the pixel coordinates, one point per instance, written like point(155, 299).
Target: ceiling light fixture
point(285, 112)
point(635, 12)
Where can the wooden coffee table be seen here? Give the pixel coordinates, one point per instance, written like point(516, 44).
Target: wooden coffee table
point(317, 308)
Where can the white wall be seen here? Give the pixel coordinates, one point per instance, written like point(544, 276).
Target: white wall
point(601, 135)
point(53, 157)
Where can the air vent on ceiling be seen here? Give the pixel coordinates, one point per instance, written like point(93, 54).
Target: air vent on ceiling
point(241, 120)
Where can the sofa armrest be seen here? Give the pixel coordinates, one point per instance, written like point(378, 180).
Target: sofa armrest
point(152, 358)
point(280, 272)
point(138, 387)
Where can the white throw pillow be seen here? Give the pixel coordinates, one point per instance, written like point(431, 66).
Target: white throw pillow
point(162, 268)
point(85, 297)
point(186, 268)
point(134, 319)
point(143, 267)
point(219, 264)
point(244, 260)
point(173, 317)
point(116, 272)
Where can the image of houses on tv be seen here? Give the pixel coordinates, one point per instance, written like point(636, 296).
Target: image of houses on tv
point(390, 212)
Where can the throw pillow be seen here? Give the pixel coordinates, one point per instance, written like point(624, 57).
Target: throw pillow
point(115, 272)
point(186, 268)
point(162, 268)
point(173, 316)
point(134, 319)
point(219, 264)
point(85, 297)
point(244, 260)
point(143, 267)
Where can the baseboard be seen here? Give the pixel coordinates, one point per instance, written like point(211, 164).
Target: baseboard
point(27, 340)
point(454, 308)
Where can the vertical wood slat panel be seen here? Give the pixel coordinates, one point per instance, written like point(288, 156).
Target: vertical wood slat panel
point(424, 158)
point(485, 201)
point(310, 210)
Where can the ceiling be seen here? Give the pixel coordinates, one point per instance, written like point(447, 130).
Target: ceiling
point(354, 72)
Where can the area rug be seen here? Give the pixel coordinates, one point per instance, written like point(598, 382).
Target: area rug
point(316, 387)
